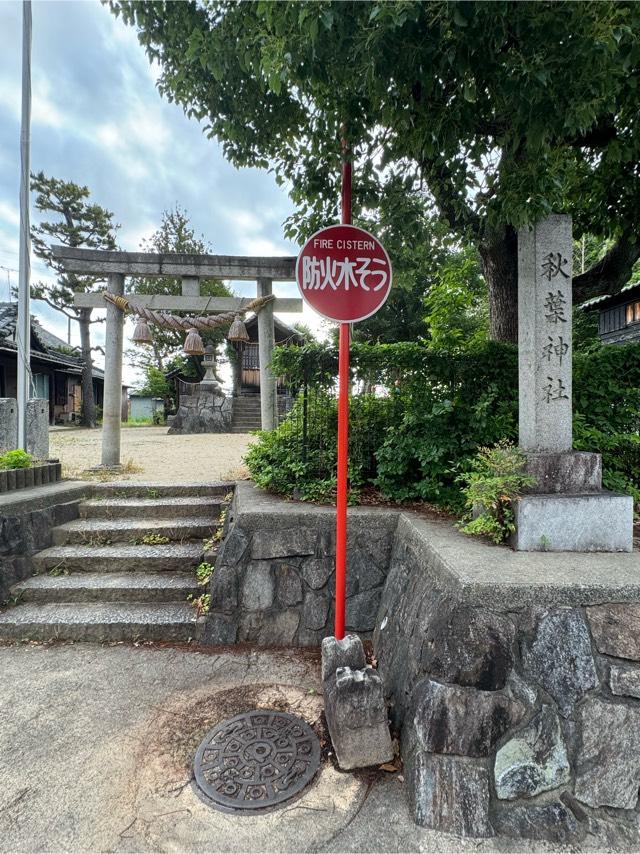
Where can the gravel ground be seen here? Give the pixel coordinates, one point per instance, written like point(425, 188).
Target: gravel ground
point(150, 454)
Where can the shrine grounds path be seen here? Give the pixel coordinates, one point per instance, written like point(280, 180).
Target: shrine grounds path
point(97, 744)
point(150, 454)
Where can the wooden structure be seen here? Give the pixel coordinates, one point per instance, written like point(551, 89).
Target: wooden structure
point(56, 369)
point(116, 266)
point(618, 315)
point(246, 369)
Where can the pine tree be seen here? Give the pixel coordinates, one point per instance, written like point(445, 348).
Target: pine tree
point(78, 223)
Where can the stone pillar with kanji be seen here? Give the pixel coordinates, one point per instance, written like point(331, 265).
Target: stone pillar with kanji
point(566, 510)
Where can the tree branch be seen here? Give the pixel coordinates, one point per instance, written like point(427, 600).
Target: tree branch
point(611, 272)
point(57, 307)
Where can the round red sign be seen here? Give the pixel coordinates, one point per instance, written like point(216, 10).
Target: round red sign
point(344, 273)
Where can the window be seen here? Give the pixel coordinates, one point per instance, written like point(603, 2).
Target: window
point(633, 312)
point(41, 386)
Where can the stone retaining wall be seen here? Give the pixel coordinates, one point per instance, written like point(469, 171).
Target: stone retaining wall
point(26, 522)
point(274, 577)
point(518, 717)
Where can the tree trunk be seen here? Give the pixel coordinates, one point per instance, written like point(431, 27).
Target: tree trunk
point(88, 418)
point(499, 254)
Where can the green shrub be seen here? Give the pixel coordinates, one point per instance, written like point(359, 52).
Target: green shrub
point(16, 460)
point(287, 462)
point(441, 408)
point(496, 479)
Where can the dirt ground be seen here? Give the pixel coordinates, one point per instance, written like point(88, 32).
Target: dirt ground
point(150, 454)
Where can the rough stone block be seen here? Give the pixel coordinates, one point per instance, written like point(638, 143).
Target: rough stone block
point(258, 586)
point(534, 760)
point(624, 681)
point(560, 658)
point(554, 822)
point(357, 718)
point(219, 630)
point(347, 652)
point(288, 585)
point(448, 793)
point(234, 547)
point(569, 471)
point(462, 721)
point(598, 522)
point(316, 571)
point(278, 629)
point(608, 760)
point(38, 428)
point(470, 647)
point(616, 629)
point(315, 609)
point(362, 610)
point(8, 424)
point(286, 542)
point(362, 573)
point(224, 588)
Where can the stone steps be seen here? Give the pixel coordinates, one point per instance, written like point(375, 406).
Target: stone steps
point(125, 489)
point(119, 558)
point(108, 587)
point(100, 582)
point(158, 508)
point(100, 622)
point(124, 530)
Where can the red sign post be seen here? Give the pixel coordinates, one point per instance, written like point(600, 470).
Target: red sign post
point(344, 273)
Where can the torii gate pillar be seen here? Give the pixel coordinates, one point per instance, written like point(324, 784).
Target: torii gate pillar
point(112, 405)
point(266, 343)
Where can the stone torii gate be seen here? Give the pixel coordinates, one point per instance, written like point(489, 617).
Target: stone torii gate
point(115, 266)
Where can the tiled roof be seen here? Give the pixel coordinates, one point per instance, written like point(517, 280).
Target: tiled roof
point(50, 348)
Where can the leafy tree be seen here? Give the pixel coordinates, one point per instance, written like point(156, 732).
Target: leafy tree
point(496, 113)
point(78, 222)
point(175, 235)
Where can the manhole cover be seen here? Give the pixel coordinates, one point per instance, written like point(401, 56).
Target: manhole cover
point(257, 760)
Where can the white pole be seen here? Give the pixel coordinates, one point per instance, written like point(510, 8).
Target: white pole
point(23, 329)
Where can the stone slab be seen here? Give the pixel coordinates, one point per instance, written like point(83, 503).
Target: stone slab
point(8, 424)
point(599, 522)
point(38, 428)
point(544, 334)
point(107, 587)
point(357, 718)
point(570, 471)
point(616, 629)
point(82, 621)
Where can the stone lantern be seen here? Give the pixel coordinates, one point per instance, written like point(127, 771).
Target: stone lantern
point(208, 363)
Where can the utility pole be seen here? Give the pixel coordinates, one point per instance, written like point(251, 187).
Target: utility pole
point(23, 328)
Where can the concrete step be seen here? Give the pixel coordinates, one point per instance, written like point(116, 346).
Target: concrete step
point(108, 587)
point(92, 621)
point(156, 508)
point(125, 489)
point(123, 530)
point(235, 429)
point(119, 558)
point(246, 425)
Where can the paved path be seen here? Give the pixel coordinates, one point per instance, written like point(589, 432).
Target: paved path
point(151, 454)
point(96, 744)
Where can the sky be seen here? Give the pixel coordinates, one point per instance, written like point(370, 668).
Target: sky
point(98, 120)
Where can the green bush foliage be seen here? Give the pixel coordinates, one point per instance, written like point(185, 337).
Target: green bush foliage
point(282, 463)
point(496, 479)
point(16, 460)
point(440, 408)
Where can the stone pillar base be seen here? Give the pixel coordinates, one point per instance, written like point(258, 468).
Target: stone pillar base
point(573, 472)
point(354, 705)
point(591, 522)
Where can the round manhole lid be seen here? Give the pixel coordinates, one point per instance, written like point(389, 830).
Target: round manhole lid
point(256, 760)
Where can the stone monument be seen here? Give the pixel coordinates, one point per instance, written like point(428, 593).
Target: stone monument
point(37, 426)
point(567, 509)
